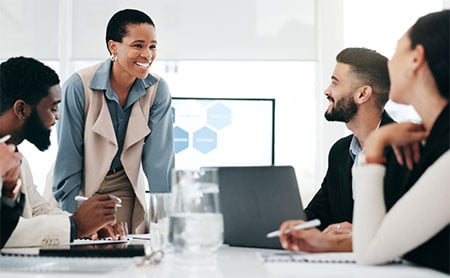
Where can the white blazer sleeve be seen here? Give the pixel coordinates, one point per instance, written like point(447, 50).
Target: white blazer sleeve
point(43, 230)
point(422, 212)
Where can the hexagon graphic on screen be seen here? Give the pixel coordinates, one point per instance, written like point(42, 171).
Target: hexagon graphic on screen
point(219, 116)
point(181, 139)
point(205, 140)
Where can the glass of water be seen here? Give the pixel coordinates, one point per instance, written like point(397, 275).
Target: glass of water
point(159, 211)
point(196, 223)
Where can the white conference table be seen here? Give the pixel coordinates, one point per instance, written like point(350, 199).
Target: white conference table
point(233, 262)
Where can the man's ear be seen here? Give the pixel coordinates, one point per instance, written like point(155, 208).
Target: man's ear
point(21, 109)
point(363, 94)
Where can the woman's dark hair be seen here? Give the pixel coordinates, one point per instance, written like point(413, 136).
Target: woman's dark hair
point(117, 25)
point(24, 78)
point(432, 32)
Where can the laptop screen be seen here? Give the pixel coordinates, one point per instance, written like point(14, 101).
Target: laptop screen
point(255, 201)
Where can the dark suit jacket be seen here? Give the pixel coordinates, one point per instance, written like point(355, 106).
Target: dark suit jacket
point(333, 202)
point(9, 216)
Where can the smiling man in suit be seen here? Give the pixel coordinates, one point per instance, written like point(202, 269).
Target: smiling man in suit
point(357, 95)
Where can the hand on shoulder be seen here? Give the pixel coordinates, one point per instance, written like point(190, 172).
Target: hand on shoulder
point(405, 139)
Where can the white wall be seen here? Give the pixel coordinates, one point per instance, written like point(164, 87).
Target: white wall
point(303, 137)
point(280, 61)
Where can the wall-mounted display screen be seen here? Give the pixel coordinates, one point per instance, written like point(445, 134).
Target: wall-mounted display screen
point(223, 132)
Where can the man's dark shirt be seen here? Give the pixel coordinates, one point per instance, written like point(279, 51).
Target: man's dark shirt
point(9, 216)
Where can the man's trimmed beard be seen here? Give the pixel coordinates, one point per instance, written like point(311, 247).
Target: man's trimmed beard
point(344, 110)
point(35, 131)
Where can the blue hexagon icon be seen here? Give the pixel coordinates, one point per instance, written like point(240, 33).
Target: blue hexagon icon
point(205, 140)
point(180, 139)
point(218, 116)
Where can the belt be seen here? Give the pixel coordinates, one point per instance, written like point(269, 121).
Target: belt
point(115, 170)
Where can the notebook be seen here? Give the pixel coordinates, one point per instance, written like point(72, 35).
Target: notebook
point(304, 257)
point(255, 200)
point(96, 250)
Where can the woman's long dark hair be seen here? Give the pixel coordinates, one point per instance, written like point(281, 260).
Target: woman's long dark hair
point(432, 32)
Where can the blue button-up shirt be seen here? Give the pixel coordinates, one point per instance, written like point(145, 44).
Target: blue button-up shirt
point(354, 150)
point(158, 154)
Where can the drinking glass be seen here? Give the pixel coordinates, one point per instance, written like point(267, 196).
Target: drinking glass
point(196, 223)
point(159, 211)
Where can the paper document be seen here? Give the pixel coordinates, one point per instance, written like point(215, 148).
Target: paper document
point(303, 257)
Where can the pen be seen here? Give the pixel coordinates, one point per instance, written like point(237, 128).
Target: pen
point(303, 226)
point(79, 198)
point(5, 138)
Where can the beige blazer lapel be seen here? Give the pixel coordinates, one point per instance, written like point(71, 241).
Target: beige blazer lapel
point(100, 144)
point(103, 124)
point(137, 130)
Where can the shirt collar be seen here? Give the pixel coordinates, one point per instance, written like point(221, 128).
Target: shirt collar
point(101, 82)
point(355, 147)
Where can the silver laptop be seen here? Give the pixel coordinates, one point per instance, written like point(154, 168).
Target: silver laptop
point(255, 200)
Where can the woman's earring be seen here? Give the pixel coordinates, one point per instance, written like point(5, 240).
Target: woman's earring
point(113, 57)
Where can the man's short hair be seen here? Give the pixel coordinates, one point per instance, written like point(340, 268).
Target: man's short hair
point(370, 67)
point(24, 78)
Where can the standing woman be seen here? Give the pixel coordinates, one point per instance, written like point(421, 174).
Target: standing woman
point(116, 118)
point(417, 226)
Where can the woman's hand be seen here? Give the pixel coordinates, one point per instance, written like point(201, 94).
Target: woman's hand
point(117, 231)
point(404, 138)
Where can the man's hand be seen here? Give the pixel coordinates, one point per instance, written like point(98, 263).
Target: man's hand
point(9, 158)
point(10, 170)
point(94, 214)
point(339, 228)
point(312, 240)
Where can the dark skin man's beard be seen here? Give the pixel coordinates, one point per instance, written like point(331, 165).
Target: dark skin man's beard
point(344, 110)
point(35, 132)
